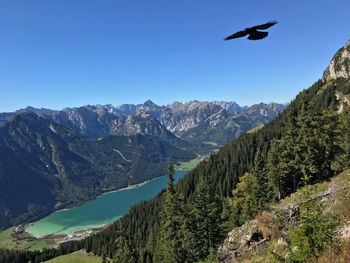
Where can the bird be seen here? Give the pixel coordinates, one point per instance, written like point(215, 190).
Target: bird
point(253, 32)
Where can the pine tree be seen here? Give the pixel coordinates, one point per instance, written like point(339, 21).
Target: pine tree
point(261, 192)
point(206, 220)
point(169, 248)
point(124, 252)
point(253, 190)
point(343, 160)
point(283, 174)
point(244, 202)
point(315, 145)
point(305, 152)
point(275, 177)
point(314, 230)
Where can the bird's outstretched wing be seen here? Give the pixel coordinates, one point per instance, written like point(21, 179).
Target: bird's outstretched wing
point(238, 34)
point(265, 26)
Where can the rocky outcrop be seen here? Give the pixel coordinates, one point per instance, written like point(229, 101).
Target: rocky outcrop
point(339, 66)
point(229, 106)
point(255, 235)
point(239, 241)
point(344, 101)
point(142, 122)
point(246, 239)
point(216, 122)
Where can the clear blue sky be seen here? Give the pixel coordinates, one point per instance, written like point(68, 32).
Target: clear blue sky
point(62, 53)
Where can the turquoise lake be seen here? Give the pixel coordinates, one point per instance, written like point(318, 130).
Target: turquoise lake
point(105, 209)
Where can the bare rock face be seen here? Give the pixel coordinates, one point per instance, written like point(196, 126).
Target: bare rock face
point(339, 66)
point(250, 237)
point(240, 241)
point(344, 232)
point(181, 117)
point(195, 122)
point(142, 122)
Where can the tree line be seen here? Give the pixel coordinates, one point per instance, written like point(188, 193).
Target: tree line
point(308, 143)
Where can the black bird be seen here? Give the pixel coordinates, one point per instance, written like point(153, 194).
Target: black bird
point(253, 32)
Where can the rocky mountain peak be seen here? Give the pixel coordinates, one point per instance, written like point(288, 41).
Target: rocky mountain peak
point(204, 121)
point(149, 103)
point(124, 109)
point(230, 106)
point(27, 125)
point(339, 67)
point(152, 108)
point(141, 113)
point(149, 106)
point(193, 105)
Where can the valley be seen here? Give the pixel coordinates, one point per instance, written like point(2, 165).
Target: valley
point(106, 209)
point(70, 168)
point(175, 131)
point(263, 197)
point(75, 154)
point(54, 136)
point(78, 222)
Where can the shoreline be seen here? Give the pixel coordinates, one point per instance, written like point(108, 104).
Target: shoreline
point(130, 187)
point(50, 238)
point(177, 169)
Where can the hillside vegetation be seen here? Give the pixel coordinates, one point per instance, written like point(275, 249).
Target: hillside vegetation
point(76, 257)
point(277, 184)
point(310, 225)
point(307, 144)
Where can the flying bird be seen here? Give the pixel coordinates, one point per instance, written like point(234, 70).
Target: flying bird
point(253, 32)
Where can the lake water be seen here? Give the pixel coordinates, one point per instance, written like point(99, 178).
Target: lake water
point(103, 210)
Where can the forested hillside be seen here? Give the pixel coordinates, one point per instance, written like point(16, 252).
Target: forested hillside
point(304, 145)
point(69, 168)
point(220, 174)
point(307, 144)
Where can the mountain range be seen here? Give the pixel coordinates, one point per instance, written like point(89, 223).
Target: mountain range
point(301, 159)
point(45, 166)
point(74, 154)
point(202, 123)
point(279, 193)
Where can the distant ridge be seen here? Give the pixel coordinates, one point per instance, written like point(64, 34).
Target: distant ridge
point(198, 122)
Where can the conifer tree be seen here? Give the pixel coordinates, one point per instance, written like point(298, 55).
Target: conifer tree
point(244, 202)
point(124, 252)
point(169, 248)
point(314, 230)
point(275, 177)
point(343, 160)
point(315, 145)
point(283, 173)
point(253, 190)
point(206, 219)
point(305, 152)
point(261, 192)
